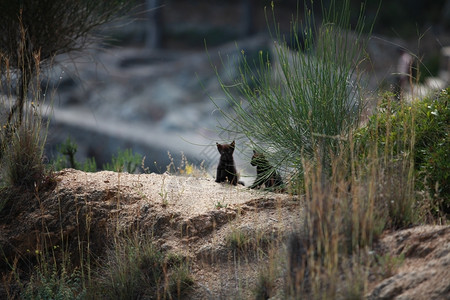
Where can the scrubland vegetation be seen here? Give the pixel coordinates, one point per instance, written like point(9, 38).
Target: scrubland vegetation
point(302, 109)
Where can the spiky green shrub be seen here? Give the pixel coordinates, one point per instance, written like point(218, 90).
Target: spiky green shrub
point(294, 103)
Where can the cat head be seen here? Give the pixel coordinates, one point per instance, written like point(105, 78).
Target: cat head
point(225, 149)
point(258, 159)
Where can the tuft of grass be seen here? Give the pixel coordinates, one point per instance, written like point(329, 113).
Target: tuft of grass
point(135, 268)
point(185, 168)
point(249, 243)
point(23, 159)
point(354, 280)
point(22, 135)
point(22, 140)
point(180, 279)
point(266, 283)
point(238, 240)
point(388, 264)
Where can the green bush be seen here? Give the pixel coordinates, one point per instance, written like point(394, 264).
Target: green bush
point(420, 131)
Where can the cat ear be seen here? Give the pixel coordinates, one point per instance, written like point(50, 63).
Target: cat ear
point(232, 144)
point(254, 152)
point(219, 147)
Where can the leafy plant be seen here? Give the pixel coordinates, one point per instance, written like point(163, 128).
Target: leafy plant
point(69, 149)
point(220, 205)
point(54, 285)
point(432, 146)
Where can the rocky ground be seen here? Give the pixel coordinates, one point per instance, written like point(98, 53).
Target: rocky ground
point(193, 216)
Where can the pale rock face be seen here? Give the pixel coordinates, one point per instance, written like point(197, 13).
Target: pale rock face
point(425, 272)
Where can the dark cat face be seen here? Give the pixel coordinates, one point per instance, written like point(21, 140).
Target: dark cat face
point(258, 159)
point(226, 149)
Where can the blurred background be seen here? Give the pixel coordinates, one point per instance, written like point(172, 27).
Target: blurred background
point(148, 83)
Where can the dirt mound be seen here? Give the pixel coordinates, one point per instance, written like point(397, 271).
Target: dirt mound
point(186, 215)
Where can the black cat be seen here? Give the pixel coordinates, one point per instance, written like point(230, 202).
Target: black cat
point(265, 174)
point(226, 170)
